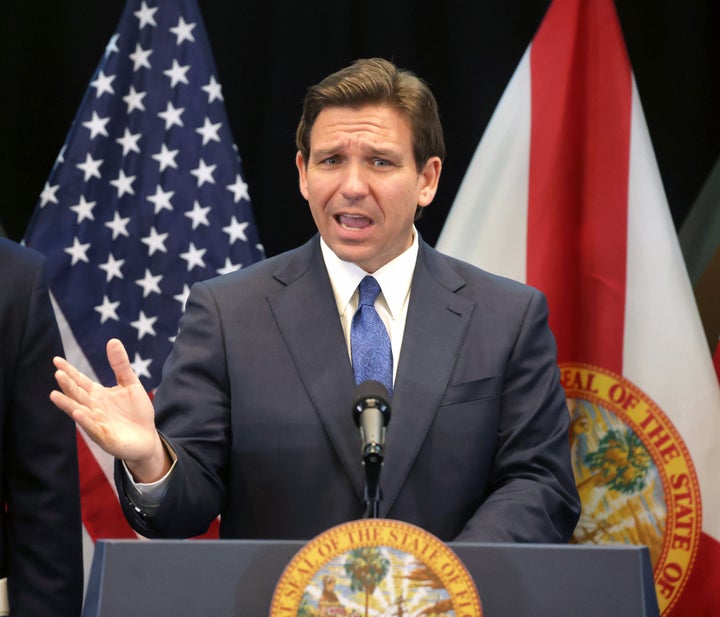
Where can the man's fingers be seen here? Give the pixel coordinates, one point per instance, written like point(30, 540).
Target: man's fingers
point(63, 402)
point(67, 403)
point(83, 416)
point(82, 380)
point(75, 387)
point(120, 363)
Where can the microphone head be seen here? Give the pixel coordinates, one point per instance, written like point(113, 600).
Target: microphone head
point(371, 393)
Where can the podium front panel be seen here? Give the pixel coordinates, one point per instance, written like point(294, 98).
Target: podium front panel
point(236, 578)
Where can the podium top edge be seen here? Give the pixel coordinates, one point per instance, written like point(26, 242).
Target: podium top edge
point(500, 545)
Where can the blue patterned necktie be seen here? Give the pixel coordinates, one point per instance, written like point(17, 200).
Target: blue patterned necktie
point(369, 340)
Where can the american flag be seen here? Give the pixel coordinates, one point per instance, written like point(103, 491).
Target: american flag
point(146, 197)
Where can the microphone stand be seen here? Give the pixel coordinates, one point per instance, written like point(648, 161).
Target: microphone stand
point(372, 462)
point(371, 413)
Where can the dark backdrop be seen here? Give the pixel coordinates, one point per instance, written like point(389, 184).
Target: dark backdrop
point(269, 51)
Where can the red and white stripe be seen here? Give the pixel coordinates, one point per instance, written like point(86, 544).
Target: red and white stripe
point(564, 193)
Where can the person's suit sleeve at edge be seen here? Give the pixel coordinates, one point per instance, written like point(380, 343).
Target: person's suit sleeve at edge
point(42, 488)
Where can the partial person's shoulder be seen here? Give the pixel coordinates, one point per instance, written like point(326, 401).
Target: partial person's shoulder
point(19, 258)
point(10, 250)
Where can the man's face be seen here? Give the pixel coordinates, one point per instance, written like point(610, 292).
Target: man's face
point(362, 183)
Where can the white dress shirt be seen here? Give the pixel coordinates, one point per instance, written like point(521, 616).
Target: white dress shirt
point(394, 279)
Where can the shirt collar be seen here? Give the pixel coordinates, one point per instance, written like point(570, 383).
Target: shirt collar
point(394, 277)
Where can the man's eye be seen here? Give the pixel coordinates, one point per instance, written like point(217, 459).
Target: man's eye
point(381, 163)
point(331, 160)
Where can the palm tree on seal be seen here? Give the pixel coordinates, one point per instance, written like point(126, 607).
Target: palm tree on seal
point(367, 567)
point(621, 462)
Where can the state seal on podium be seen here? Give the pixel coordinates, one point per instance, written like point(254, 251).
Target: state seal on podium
point(375, 568)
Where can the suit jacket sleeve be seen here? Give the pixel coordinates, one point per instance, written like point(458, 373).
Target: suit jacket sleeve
point(42, 519)
point(531, 495)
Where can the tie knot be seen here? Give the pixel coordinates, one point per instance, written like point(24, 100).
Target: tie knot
point(369, 291)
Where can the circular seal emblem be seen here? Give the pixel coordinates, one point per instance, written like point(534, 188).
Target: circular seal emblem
point(634, 475)
point(375, 568)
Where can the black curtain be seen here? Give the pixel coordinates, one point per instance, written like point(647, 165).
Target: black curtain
point(269, 51)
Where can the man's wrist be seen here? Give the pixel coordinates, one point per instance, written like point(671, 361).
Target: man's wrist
point(156, 467)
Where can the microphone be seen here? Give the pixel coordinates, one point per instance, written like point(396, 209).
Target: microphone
point(371, 412)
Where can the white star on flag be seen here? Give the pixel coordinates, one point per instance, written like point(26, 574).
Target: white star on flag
point(83, 209)
point(48, 194)
point(194, 257)
point(111, 47)
point(236, 230)
point(183, 295)
point(140, 365)
point(90, 168)
point(78, 251)
point(183, 31)
point(146, 15)
point(239, 189)
point(118, 225)
point(140, 58)
point(123, 184)
point(150, 283)
point(177, 74)
point(209, 131)
point(129, 142)
point(102, 84)
point(171, 115)
point(229, 267)
point(213, 89)
point(166, 158)
point(107, 310)
point(112, 267)
point(97, 125)
point(204, 173)
point(161, 199)
point(134, 100)
point(144, 325)
point(198, 215)
point(155, 241)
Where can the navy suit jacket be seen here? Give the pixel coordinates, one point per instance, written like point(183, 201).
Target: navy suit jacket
point(256, 401)
point(40, 525)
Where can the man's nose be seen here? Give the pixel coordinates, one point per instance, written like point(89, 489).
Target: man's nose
point(355, 182)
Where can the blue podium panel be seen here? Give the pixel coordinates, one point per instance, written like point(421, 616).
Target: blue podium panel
point(551, 580)
point(236, 578)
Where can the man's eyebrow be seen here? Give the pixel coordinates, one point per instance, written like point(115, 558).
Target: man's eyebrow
point(337, 149)
point(324, 151)
point(383, 151)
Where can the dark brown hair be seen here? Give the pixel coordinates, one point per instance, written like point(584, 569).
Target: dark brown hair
point(376, 81)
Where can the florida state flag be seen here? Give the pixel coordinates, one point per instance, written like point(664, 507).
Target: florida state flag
point(564, 193)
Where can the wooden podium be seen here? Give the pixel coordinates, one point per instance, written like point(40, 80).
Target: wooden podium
point(236, 578)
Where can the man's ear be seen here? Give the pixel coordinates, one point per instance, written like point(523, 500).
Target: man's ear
point(302, 173)
point(429, 179)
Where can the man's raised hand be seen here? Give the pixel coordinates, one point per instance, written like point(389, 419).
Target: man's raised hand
point(120, 419)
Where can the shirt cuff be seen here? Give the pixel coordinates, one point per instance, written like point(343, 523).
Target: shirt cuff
point(147, 496)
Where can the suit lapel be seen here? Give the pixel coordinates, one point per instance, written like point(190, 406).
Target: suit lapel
point(437, 319)
point(307, 317)
point(436, 322)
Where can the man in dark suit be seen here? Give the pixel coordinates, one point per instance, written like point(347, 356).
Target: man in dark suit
point(40, 526)
point(253, 415)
